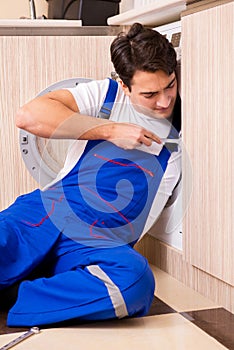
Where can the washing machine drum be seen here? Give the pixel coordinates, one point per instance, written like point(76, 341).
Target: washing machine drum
point(44, 158)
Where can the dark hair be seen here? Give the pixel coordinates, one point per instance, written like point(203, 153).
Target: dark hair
point(141, 49)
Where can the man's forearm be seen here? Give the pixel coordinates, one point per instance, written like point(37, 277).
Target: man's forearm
point(57, 116)
point(83, 127)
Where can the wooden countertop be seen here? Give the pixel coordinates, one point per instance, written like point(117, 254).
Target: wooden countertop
point(50, 27)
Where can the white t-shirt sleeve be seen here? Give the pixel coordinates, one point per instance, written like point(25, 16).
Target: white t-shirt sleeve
point(90, 96)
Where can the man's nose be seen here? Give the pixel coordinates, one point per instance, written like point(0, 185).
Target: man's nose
point(163, 100)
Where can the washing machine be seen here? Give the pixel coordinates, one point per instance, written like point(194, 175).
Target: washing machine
point(44, 158)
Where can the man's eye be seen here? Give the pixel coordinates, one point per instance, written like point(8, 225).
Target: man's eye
point(150, 95)
point(171, 86)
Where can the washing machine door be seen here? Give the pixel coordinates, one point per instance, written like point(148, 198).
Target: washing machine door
point(44, 158)
point(168, 227)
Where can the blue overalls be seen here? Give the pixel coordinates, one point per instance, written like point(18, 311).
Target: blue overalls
point(83, 230)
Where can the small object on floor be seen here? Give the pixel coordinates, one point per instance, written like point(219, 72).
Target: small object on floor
point(32, 331)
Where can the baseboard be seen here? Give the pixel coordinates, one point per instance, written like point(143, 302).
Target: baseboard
point(172, 261)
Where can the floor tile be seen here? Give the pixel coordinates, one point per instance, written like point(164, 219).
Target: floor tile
point(177, 295)
point(219, 323)
point(7, 330)
point(179, 318)
point(158, 307)
point(170, 331)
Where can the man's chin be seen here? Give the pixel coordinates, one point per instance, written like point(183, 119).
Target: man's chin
point(158, 115)
point(161, 115)
point(154, 113)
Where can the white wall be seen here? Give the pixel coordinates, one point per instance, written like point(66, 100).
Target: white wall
point(126, 5)
point(20, 8)
point(139, 3)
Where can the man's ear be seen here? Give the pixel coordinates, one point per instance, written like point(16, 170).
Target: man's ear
point(125, 88)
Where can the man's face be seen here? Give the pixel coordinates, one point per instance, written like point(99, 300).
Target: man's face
point(153, 94)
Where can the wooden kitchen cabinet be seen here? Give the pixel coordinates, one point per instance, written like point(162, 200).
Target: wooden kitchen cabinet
point(28, 65)
point(205, 263)
point(208, 127)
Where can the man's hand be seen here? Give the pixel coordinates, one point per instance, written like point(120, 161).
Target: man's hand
point(124, 135)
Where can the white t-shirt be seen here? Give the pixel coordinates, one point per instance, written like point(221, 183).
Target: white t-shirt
point(89, 98)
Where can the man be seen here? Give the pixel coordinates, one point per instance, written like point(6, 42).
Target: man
point(69, 248)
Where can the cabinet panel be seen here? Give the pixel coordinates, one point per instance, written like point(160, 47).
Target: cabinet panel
point(208, 126)
point(28, 65)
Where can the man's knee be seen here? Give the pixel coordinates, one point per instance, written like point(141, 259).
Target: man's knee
point(138, 297)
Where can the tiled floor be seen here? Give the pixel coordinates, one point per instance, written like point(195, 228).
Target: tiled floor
point(179, 319)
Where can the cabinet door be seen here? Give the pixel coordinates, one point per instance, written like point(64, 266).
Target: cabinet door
point(28, 65)
point(208, 127)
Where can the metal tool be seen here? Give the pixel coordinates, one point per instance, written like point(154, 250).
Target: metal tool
point(177, 141)
point(32, 331)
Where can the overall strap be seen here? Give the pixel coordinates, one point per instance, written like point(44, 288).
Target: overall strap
point(106, 108)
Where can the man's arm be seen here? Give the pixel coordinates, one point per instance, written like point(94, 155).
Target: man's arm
point(56, 115)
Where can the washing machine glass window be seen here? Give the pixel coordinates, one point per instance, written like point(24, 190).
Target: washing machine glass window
point(44, 158)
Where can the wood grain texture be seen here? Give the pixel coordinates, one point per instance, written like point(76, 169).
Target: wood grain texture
point(172, 261)
point(208, 104)
point(206, 263)
point(194, 6)
point(28, 65)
